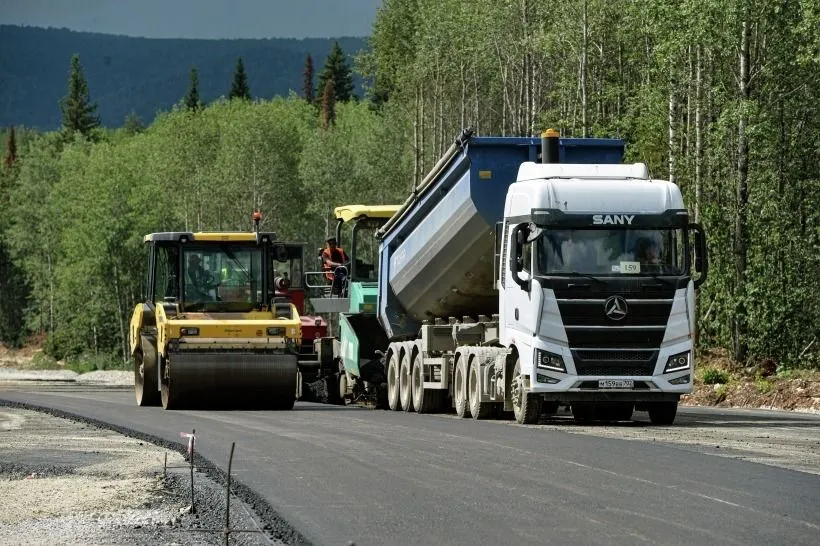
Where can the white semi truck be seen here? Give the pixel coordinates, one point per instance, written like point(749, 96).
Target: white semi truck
point(527, 274)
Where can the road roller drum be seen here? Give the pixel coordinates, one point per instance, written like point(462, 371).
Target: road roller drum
point(237, 380)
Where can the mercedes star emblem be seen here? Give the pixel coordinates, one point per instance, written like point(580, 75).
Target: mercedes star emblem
point(615, 307)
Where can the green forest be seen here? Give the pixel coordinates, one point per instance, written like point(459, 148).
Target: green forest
point(719, 96)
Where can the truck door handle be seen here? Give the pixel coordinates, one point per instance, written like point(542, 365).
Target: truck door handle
point(516, 313)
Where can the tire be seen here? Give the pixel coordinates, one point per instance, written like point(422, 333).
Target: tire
point(460, 388)
point(662, 413)
point(424, 400)
point(332, 386)
point(478, 409)
point(170, 400)
point(393, 400)
point(526, 406)
point(405, 371)
point(145, 373)
point(343, 388)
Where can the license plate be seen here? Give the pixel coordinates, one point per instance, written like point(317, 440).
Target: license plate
point(616, 384)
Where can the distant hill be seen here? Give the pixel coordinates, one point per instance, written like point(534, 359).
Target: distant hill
point(142, 75)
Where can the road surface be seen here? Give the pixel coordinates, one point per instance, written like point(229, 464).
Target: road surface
point(341, 475)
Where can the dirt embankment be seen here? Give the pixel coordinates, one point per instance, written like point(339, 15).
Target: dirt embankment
point(720, 382)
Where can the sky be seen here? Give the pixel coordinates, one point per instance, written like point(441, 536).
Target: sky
point(198, 18)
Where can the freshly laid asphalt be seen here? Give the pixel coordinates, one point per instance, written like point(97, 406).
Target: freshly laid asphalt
point(339, 475)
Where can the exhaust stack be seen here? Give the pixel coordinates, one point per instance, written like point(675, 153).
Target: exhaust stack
point(549, 146)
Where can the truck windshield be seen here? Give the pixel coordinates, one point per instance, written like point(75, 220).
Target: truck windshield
point(222, 278)
point(612, 252)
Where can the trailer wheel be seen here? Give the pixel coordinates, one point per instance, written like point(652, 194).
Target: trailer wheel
point(393, 401)
point(478, 409)
point(526, 406)
point(460, 387)
point(145, 373)
point(424, 400)
point(405, 383)
point(662, 413)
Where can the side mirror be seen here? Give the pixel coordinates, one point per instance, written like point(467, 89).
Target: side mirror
point(701, 257)
point(520, 235)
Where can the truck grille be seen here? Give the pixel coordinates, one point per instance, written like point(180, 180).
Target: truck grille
point(607, 363)
point(588, 326)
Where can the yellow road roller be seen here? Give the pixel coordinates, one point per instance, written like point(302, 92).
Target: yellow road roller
point(211, 331)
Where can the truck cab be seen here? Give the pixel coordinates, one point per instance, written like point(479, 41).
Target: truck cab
point(597, 288)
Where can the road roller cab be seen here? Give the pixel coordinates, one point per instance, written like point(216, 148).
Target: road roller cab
point(211, 330)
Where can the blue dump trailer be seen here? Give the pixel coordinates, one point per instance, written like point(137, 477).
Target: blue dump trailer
point(510, 280)
point(438, 253)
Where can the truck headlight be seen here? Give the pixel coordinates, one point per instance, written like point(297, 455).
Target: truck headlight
point(189, 331)
point(677, 363)
point(549, 361)
point(276, 331)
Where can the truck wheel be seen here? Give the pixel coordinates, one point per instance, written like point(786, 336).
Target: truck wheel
point(478, 409)
point(145, 373)
point(662, 413)
point(424, 400)
point(460, 388)
point(526, 406)
point(393, 401)
point(405, 383)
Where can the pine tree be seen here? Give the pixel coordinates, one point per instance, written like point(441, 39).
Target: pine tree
point(307, 86)
point(133, 124)
point(77, 108)
point(240, 88)
point(328, 104)
point(336, 69)
point(11, 148)
point(192, 97)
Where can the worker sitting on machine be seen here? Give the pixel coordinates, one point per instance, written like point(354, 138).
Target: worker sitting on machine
point(334, 264)
point(201, 280)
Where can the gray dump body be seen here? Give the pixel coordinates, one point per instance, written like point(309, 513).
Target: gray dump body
point(437, 255)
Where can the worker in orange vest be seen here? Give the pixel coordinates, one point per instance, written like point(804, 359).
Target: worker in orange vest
point(333, 256)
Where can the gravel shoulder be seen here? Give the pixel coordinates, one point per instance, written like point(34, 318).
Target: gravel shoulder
point(67, 482)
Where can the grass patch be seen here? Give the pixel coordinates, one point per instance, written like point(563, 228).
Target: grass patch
point(92, 363)
point(763, 385)
point(41, 361)
point(797, 373)
point(714, 376)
